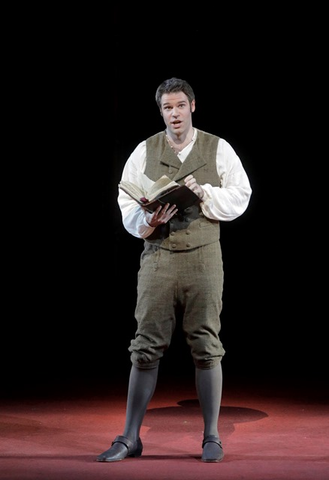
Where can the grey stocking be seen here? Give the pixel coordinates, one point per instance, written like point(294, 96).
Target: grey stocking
point(141, 387)
point(209, 390)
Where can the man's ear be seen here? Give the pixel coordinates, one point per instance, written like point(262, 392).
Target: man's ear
point(193, 106)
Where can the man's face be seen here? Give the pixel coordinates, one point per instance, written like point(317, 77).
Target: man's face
point(177, 112)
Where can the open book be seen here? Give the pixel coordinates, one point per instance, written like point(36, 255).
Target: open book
point(152, 194)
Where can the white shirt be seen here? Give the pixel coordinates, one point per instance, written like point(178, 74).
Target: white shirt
point(223, 203)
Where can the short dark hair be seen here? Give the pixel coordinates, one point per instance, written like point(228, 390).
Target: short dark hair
point(174, 85)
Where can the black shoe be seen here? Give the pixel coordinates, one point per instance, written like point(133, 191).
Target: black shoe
point(121, 448)
point(212, 449)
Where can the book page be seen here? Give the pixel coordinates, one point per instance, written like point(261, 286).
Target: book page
point(148, 188)
point(132, 190)
point(162, 184)
point(137, 191)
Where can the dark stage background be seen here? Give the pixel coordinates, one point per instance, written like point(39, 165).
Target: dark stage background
point(85, 101)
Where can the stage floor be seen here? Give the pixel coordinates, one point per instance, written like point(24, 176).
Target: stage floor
point(269, 430)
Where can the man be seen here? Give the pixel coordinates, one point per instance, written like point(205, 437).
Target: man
point(181, 264)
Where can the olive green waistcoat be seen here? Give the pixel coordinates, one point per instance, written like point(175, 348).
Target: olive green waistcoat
point(189, 229)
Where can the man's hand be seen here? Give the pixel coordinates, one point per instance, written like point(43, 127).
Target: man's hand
point(191, 183)
point(161, 215)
